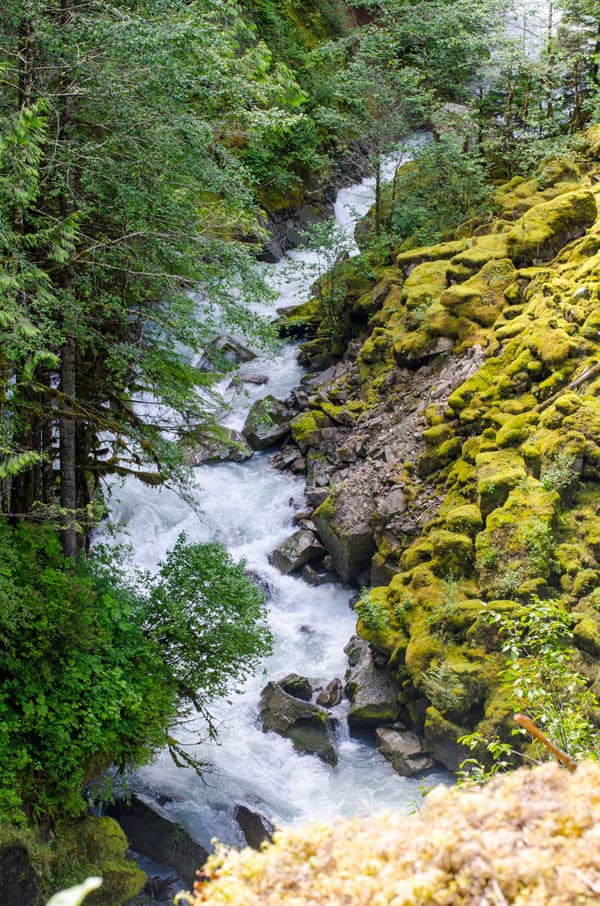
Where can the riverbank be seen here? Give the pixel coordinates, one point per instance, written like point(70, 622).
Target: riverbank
point(455, 438)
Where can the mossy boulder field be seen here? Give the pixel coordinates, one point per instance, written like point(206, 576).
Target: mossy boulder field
point(460, 432)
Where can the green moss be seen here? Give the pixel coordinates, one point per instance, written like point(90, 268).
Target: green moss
point(303, 320)
point(516, 429)
point(544, 229)
point(442, 735)
point(375, 353)
point(437, 434)
point(452, 552)
point(465, 520)
point(327, 509)
point(424, 284)
point(422, 649)
point(306, 427)
point(98, 846)
point(417, 553)
point(443, 250)
point(498, 472)
point(437, 457)
point(551, 345)
point(586, 634)
point(481, 298)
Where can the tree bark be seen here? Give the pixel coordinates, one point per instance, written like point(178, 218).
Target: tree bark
point(68, 448)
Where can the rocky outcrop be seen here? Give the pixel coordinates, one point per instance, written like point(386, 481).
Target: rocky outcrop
point(453, 448)
point(300, 548)
point(310, 727)
point(528, 839)
point(267, 424)
point(404, 750)
point(373, 696)
point(152, 831)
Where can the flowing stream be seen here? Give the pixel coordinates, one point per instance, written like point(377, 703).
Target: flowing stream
point(249, 507)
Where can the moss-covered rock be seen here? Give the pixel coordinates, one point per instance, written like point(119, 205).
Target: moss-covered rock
point(441, 251)
point(498, 472)
point(481, 298)
point(97, 846)
point(424, 284)
point(546, 228)
point(307, 426)
point(539, 829)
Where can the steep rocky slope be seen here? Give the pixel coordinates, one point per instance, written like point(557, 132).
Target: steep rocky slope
point(531, 837)
point(453, 452)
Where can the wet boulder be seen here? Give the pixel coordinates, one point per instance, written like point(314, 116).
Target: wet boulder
point(332, 694)
point(298, 686)
point(152, 832)
point(267, 424)
point(202, 447)
point(318, 575)
point(232, 350)
point(300, 548)
point(310, 727)
point(370, 689)
point(256, 828)
point(404, 750)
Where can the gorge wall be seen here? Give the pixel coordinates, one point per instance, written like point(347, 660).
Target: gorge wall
point(453, 447)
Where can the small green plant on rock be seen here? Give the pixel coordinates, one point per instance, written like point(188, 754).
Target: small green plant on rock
point(540, 680)
point(373, 615)
point(560, 473)
point(442, 687)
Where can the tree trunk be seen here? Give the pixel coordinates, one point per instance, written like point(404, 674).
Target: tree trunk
point(68, 448)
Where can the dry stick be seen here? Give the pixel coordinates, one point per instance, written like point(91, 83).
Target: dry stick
point(589, 372)
point(529, 725)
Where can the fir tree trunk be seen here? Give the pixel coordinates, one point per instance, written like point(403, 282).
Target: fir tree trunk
point(68, 448)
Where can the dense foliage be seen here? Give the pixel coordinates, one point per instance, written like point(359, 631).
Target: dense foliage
point(139, 144)
point(96, 666)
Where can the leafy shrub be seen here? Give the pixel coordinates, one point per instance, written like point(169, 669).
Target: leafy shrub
point(540, 680)
point(95, 668)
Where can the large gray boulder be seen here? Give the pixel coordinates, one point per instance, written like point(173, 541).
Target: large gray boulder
point(300, 548)
point(370, 689)
point(309, 726)
point(152, 832)
point(404, 750)
point(267, 424)
point(344, 526)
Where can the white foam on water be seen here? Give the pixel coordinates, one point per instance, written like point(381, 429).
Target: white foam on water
point(249, 507)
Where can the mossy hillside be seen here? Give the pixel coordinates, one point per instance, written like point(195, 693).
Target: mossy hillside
point(545, 228)
point(515, 449)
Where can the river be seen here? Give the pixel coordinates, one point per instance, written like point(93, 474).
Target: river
point(249, 508)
